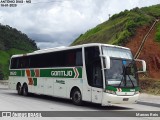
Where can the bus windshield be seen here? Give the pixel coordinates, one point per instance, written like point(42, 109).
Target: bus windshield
point(117, 76)
point(122, 72)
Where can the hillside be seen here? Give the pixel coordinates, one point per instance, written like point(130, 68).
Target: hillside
point(12, 42)
point(128, 29)
point(120, 27)
point(151, 50)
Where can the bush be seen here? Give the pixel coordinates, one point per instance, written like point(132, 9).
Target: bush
point(121, 14)
point(123, 36)
point(131, 26)
point(157, 36)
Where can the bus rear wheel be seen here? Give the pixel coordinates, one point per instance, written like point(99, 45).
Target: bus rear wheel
point(76, 97)
point(19, 89)
point(25, 90)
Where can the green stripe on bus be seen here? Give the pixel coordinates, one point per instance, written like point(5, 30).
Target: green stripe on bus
point(111, 88)
point(80, 72)
point(123, 89)
point(23, 73)
point(62, 73)
point(55, 73)
point(15, 73)
point(35, 81)
point(32, 73)
point(130, 89)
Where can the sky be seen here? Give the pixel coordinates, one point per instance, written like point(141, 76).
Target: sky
point(54, 23)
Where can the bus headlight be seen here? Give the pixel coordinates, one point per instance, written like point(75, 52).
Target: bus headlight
point(110, 92)
point(136, 92)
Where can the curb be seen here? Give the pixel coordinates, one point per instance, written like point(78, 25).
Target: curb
point(4, 82)
point(149, 104)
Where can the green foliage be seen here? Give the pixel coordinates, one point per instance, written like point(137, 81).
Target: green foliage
point(157, 37)
point(4, 63)
point(153, 10)
point(5, 60)
point(12, 42)
point(1, 73)
point(121, 14)
point(120, 27)
point(131, 26)
point(123, 35)
point(12, 38)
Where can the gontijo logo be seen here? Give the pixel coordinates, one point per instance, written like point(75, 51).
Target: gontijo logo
point(65, 73)
point(61, 73)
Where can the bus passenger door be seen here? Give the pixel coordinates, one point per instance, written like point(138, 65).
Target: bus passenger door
point(94, 73)
point(97, 83)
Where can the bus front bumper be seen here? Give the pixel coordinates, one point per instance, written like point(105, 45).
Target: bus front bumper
point(109, 99)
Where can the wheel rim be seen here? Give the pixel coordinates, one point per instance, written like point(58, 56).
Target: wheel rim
point(25, 90)
point(77, 96)
point(19, 89)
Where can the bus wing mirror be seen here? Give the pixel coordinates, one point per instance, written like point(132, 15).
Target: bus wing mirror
point(107, 61)
point(143, 65)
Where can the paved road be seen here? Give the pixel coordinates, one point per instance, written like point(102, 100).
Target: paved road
point(10, 101)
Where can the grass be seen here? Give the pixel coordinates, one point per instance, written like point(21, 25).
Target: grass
point(150, 86)
point(4, 61)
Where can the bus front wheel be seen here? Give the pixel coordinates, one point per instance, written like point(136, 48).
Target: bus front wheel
point(77, 97)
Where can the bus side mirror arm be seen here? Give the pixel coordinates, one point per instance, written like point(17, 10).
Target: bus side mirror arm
point(143, 64)
point(107, 61)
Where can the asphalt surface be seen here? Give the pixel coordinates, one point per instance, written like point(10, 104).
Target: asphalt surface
point(10, 101)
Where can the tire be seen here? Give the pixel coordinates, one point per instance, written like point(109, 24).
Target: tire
point(25, 90)
point(19, 89)
point(77, 97)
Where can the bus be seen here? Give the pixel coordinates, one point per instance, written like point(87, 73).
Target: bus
point(97, 73)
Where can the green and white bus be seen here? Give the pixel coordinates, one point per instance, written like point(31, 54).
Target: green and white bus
point(98, 73)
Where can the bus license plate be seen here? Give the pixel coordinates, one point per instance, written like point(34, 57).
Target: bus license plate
point(125, 99)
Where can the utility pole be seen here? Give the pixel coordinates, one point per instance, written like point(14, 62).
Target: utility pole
point(109, 15)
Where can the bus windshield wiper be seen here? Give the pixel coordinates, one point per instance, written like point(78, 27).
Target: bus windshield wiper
point(130, 64)
point(124, 77)
point(131, 80)
point(120, 82)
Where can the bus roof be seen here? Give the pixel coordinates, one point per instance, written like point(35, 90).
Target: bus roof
point(67, 48)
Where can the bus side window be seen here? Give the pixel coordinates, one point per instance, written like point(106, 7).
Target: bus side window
point(73, 58)
point(79, 58)
point(14, 63)
point(70, 59)
point(23, 62)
